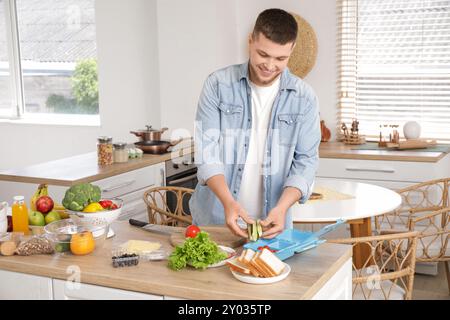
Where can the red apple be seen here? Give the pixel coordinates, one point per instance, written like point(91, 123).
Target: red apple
point(44, 204)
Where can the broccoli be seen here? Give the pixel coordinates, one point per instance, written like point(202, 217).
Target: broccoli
point(79, 196)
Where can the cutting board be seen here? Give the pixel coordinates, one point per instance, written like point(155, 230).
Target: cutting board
point(219, 234)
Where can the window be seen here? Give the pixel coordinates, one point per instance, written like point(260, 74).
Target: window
point(394, 65)
point(51, 44)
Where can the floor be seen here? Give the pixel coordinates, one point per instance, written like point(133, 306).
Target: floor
point(431, 287)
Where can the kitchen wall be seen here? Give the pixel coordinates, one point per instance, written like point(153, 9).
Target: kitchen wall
point(128, 89)
point(153, 56)
point(213, 34)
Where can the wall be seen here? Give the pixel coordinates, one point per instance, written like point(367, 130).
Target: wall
point(214, 35)
point(128, 89)
point(196, 37)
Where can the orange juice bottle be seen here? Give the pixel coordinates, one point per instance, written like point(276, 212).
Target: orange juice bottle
point(20, 215)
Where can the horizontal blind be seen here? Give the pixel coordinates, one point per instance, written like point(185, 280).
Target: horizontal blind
point(394, 65)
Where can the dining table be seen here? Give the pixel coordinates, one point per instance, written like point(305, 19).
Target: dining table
point(355, 202)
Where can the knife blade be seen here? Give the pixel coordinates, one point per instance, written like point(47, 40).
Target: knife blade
point(157, 228)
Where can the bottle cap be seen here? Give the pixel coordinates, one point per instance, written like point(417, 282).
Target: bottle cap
point(19, 198)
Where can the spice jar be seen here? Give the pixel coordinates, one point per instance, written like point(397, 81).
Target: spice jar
point(104, 151)
point(120, 152)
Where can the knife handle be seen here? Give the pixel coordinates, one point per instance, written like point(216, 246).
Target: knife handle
point(137, 223)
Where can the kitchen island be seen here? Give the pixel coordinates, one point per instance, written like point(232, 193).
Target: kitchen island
point(320, 273)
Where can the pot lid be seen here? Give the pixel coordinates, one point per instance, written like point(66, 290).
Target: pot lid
point(149, 129)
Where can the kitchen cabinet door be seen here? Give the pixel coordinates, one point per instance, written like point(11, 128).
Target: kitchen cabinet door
point(63, 290)
point(14, 285)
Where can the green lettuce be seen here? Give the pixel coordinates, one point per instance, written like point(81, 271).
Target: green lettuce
point(198, 252)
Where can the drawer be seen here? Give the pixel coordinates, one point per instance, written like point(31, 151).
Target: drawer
point(383, 170)
point(64, 290)
point(134, 180)
point(134, 206)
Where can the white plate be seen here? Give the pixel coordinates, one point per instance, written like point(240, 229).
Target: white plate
point(256, 280)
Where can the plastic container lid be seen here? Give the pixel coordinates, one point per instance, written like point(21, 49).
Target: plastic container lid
point(19, 198)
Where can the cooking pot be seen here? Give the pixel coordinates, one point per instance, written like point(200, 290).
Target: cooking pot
point(149, 134)
point(156, 146)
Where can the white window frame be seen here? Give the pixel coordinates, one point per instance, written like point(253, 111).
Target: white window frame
point(17, 112)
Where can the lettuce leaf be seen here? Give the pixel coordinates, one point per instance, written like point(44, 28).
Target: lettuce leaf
point(198, 252)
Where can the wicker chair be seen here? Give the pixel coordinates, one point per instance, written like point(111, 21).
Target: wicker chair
point(388, 272)
point(161, 212)
point(425, 208)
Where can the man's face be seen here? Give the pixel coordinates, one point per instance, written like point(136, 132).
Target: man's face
point(267, 59)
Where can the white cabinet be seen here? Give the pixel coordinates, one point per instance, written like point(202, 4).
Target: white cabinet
point(14, 285)
point(63, 290)
point(339, 287)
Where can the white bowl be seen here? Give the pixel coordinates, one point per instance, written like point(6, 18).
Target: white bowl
point(97, 217)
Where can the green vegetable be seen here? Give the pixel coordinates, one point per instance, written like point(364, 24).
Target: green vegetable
point(79, 196)
point(198, 252)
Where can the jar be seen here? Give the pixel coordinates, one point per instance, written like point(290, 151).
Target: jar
point(120, 152)
point(104, 151)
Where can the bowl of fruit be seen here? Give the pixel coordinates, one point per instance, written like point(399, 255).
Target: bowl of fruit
point(71, 236)
point(83, 201)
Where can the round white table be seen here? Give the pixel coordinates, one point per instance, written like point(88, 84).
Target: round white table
point(368, 201)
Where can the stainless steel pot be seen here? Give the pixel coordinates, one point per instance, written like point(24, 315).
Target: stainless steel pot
point(157, 146)
point(149, 134)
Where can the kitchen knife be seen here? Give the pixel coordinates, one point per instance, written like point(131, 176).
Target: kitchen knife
point(156, 227)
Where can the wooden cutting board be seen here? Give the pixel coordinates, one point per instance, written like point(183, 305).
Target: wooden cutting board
point(219, 234)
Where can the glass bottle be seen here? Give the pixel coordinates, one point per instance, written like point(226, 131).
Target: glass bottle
point(104, 151)
point(120, 152)
point(20, 215)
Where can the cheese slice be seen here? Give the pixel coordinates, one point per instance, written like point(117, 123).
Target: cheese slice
point(140, 246)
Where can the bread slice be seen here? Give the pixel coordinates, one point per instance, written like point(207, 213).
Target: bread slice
point(246, 260)
point(270, 262)
point(237, 266)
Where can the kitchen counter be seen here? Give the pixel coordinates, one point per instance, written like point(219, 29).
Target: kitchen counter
point(340, 150)
point(84, 168)
point(311, 270)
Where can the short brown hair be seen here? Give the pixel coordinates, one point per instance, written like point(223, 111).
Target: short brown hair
point(276, 25)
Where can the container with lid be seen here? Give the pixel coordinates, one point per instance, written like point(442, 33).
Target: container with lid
point(104, 150)
point(120, 152)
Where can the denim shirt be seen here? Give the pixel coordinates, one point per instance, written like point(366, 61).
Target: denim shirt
point(222, 134)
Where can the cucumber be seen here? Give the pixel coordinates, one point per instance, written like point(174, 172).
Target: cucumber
point(259, 228)
point(254, 232)
point(249, 231)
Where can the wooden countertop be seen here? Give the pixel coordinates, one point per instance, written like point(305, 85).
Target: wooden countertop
point(310, 271)
point(340, 150)
point(83, 168)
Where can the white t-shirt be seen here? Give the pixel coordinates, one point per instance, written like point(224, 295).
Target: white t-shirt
point(251, 191)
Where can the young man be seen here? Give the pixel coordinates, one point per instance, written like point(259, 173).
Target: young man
point(257, 135)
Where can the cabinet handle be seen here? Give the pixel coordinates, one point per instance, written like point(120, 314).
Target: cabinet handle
point(192, 176)
point(163, 176)
point(370, 170)
point(125, 184)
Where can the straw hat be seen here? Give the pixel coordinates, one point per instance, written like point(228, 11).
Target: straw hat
point(304, 55)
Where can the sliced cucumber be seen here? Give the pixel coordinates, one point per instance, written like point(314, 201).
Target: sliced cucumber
point(259, 228)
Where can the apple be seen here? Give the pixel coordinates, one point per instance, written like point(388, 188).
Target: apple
point(52, 216)
point(44, 204)
point(35, 218)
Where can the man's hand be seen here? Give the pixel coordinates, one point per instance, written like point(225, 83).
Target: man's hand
point(273, 225)
point(233, 211)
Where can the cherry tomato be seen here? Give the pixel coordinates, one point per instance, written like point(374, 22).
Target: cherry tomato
point(106, 204)
point(192, 231)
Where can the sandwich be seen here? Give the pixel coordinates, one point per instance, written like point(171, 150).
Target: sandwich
point(263, 264)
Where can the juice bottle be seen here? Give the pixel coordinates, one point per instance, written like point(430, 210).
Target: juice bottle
point(20, 215)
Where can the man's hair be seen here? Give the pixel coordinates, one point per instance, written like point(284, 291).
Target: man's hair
point(276, 25)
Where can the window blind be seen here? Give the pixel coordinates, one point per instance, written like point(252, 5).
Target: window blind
point(394, 65)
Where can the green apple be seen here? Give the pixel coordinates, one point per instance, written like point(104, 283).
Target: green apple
point(35, 218)
point(52, 216)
